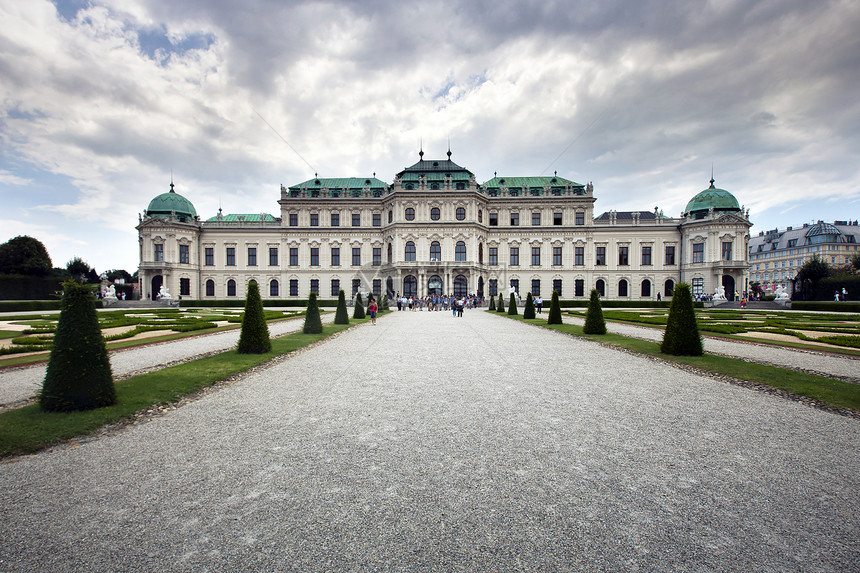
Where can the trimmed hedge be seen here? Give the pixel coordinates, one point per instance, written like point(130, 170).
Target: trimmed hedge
point(27, 287)
point(681, 336)
point(342, 315)
point(554, 310)
point(594, 323)
point(831, 306)
point(313, 322)
point(267, 302)
point(529, 310)
point(254, 338)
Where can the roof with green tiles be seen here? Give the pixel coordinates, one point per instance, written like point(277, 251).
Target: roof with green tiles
point(711, 198)
point(338, 186)
point(171, 203)
point(247, 218)
point(530, 185)
point(435, 170)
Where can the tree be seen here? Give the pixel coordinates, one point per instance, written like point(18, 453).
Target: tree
point(554, 310)
point(512, 305)
point(313, 322)
point(681, 337)
point(342, 315)
point(254, 338)
point(492, 303)
point(529, 310)
point(359, 307)
point(114, 275)
point(810, 273)
point(24, 255)
point(855, 263)
point(78, 376)
point(594, 323)
point(78, 268)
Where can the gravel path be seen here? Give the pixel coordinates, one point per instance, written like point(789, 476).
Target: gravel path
point(18, 384)
point(429, 443)
point(820, 362)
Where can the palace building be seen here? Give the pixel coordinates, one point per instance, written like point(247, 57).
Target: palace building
point(436, 229)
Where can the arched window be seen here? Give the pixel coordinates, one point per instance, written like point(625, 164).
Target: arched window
point(273, 288)
point(210, 288)
point(390, 216)
point(461, 286)
point(435, 214)
point(622, 287)
point(460, 251)
point(601, 287)
point(480, 216)
point(434, 285)
point(390, 252)
point(646, 288)
point(389, 285)
point(434, 186)
point(410, 251)
point(410, 214)
point(410, 286)
point(435, 251)
point(231, 288)
point(669, 287)
point(461, 213)
point(481, 253)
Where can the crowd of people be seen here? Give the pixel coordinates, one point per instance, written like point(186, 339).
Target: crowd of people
point(438, 303)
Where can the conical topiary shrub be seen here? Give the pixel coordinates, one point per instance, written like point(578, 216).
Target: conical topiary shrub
point(501, 305)
point(359, 307)
point(313, 322)
point(342, 315)
point(78, 375)
point(594, 323)
point(254, 338)
point(383, 306)
point(512, 305)
point(492, 303)
point(529, 310)
point(682, 333)
point(554, 310)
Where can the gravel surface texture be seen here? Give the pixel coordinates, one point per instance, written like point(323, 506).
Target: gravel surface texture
point(19, 384)
point(431, 443)
point(810, 361)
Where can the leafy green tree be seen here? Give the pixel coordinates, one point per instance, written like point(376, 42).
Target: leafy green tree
point(492, 303)
point(594, 323)
point(512, 305)
point(359, 307)
point(681, 337)
point(24, 255)
point(254, 338)
point(78, 268)
point(114, 275)
point(342, 315)
point(529, 310)
point(554, 310)
point(810, 274)
point(313, 321)
point(855, 263)
point(78, 376)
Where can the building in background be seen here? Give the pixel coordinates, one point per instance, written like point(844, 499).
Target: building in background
point(436, 229)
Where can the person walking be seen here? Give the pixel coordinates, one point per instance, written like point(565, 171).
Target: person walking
point(539, 304)
point(372, 308)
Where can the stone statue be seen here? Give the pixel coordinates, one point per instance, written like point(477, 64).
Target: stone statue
point(782, 297)
point(720, 296)
point(164, 293)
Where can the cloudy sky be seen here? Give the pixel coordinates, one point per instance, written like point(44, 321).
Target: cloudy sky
point(101, 100)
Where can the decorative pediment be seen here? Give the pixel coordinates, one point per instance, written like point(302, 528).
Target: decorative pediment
point(315, 244)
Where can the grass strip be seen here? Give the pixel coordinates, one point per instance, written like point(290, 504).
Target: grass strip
point(827, 391)
point(29, 429)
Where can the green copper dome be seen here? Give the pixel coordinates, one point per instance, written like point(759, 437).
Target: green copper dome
point(718, 199)
point(171, 203)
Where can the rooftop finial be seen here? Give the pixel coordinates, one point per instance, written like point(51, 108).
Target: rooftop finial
point(449, 149)
point(171, 181)
point(712, 175)
point(421, 149)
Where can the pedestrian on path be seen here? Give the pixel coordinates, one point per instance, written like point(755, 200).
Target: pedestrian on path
point(372, 307)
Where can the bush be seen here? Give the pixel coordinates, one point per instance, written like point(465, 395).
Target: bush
point(342, 315)
point(826, 306)
point(529, 310)
point(554, 310)
point(78, 375)
point(359, 307)
point(594, 323)
point(254, 338)
point(501, 305)
point(313, 322)
point(512, 305)
point(492, 303)
point(681, 337)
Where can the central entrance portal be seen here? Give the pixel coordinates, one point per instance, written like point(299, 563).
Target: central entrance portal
point(434, 285)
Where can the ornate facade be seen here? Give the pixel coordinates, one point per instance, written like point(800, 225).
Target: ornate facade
point(436, 229)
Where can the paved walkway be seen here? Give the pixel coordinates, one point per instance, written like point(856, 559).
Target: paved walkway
point(429, 443)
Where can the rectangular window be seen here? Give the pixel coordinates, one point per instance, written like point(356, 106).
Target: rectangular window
point(535, 256)
point(356, 219)
point(699, 288)
point(377, 287)
point(294, 256)
point(335, 287)
point(294, 219)
point(210, 256)
point(494, 287)
point(252, 256)
point(727, 250)
point(515, 283)
point(670, 254)
point(556, 256)
point(183, 254)
point(646, 255)
point(335, 219)
point(579, 256)
point(294, 287)
point(556, 219)
point(515, 255)
point(231, 256)
point(494, 256)
point(185, 287)
point(315, 286)
point(356, 285)
point(600, 257)
point(315, 219)
point(556, 286)
point(622, 256)
point(159, 252)
point(580, 218)
point(377, 256)
point(377, 219)
point(273, 256)
point(535, 219)
point(494, 219)
point(315, 256)
point(535, 287)
point(699, 253)
point(515, 219)
point(335, 256)
point(578, 287)
point(356, 256)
